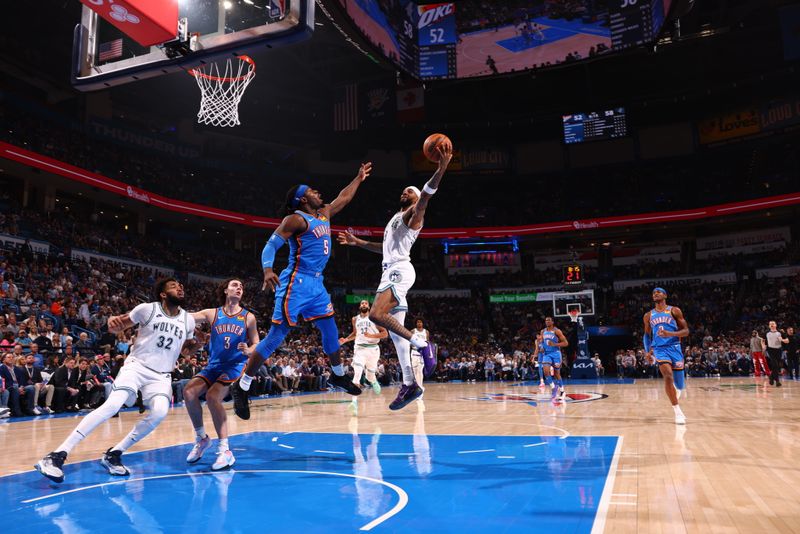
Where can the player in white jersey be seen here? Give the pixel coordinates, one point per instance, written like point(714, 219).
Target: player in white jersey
point(390, 306)
point(366, 352)
point(164, 330)
point(417, 362)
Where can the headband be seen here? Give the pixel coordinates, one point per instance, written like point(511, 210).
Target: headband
point(301, 192)
point(414, 189)
point(660, 289)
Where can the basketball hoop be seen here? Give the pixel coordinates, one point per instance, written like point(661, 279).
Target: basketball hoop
point(221, 92)
point(574, 314)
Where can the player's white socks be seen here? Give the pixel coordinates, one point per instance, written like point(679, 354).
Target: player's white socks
point(110, 407)
point(245, 382)
point(358, 370)
point(403, 348)
point(677, 409)
point(200, 432)
point(159, 406)
point(678, 392)
point(222, 446)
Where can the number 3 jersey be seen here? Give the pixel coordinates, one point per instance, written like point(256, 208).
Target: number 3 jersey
point(161, 336)
point(227, 332)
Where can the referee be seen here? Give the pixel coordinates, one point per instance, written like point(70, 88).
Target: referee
point(775, 342)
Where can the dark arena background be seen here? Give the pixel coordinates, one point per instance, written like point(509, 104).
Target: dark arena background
point(602, 300)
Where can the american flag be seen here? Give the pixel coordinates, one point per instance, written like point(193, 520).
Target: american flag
point(110, 50)
point(345, 108)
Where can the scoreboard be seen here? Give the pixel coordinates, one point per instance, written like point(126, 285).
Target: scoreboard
point(635, 22)
point(436, 39)
point(595, 126)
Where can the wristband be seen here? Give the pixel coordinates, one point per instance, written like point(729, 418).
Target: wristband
point(428, 189)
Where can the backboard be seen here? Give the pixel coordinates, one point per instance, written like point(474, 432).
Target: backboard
point(207, 31)
point(580, 300)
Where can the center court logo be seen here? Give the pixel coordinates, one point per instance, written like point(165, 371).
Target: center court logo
point(534, 398)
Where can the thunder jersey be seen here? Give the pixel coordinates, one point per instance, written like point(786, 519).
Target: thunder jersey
point(550, 335)
point(398, 240)
point(309, 251)
point(665, 320)
point(227, 332)
point(365, 326)
point(160, 337)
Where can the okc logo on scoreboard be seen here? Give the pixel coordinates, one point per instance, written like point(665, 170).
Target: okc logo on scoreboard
point(433, 13)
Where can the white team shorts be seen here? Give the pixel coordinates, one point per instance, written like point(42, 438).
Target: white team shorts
point(135, 377)
point(399, 277)
point(367, 356)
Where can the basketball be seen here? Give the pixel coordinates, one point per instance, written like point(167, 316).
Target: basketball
point(431, 143)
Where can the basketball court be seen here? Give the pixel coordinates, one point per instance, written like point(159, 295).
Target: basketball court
point(511, 51)
point(484, 457)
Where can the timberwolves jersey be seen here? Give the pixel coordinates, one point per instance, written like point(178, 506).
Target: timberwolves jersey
point(398, 240)
point(309, 251)
point(663, 320)
point(365, 326)
point(550, 335)
point(226, 334)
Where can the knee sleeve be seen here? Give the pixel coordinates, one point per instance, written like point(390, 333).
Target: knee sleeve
point(678, 377)
point(159, 406)
point(277, 333)
point(330, 334)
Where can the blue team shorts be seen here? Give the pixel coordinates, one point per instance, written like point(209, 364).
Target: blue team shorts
point(671, 354)
point(223, 372)
point(303, 295)
point(553, 359)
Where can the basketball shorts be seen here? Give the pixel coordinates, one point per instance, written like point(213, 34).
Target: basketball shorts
point(367, 356)
point(399, 278)
point(222, 372)
point(299, 295)
point(671, 354)
point(553, 359)
point(135, 377)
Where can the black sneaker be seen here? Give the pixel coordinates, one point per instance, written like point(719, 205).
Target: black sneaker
point(406, 395)
point(345, 383)
point(241, 401)
point(112, 461)
point(50, 466)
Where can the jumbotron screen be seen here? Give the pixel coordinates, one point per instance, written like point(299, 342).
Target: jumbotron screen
point(480, 38)
point(595, 126)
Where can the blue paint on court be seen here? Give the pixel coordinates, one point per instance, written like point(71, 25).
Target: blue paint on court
point(520, 44)
point(310, 482)
point(575, 26)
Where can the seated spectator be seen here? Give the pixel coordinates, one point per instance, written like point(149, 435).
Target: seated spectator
point(101, 369)
point(41, 389)
point(89, 390)
point(84, 342)
point(23, 339)
point(65, 381)
point(15, 381)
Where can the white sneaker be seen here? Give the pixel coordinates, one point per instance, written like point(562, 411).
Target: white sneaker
point(680, 419)
point(5, 412)
point(47, 410)
point(224, 461)
point(37, 411)
point(200, 446)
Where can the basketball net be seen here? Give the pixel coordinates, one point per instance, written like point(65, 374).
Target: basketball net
point(222, 91)
point(574, 315)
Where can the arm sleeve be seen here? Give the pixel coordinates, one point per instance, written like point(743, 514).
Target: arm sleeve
point(190, 326)
point(274, 243)
point(142, 313)
point(646, 340)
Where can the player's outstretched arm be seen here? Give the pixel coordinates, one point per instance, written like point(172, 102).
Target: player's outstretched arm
point(347, 194)
point(352, 336)
point(204, 316)
point(120, 323)
point(429, 189)
point(290, 225)
point(348, 239)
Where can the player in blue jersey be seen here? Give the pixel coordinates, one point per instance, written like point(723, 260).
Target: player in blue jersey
point(663, 327)
point(552, 341)
point(299, 291)
point(233, 328)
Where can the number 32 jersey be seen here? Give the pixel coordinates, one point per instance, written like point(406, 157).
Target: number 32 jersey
point(161, 336)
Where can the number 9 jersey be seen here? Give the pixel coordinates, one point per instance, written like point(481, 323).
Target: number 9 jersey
point(160, 337)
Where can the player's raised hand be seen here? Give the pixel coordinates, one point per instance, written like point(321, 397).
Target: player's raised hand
point(116, 323)
point(445, 151)
point(346, 238)
point(271, 280)
point(364, 171)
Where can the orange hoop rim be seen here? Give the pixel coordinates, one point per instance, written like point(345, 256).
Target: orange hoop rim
point(574, 313)
point(247, 59)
